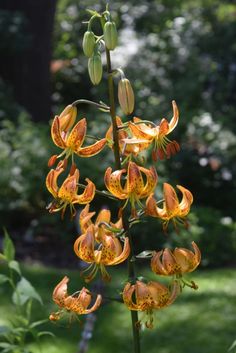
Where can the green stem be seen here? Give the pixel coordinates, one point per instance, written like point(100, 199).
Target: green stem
point(86, 101)
point(100, 193)
point(116, 149)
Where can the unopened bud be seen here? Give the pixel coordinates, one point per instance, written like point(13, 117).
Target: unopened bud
point(95, 68)
point(110, 35)
point(67, 117)
point(126, 96)
point(88, 43)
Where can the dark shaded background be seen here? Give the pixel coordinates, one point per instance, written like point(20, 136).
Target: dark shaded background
point(183, 50)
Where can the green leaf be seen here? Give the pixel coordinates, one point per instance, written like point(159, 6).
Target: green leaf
point(14, 265)
point(145, 254)
point(3, 278)
point(44, 333)
point(4, 330)
point(38, 323)
point(25, 291)
point(2, 257)
point(8, 247)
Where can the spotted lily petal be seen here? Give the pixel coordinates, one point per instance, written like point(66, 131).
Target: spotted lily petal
point(51, 180)
point(91, 150)
point(84, 245)
point(56, 133)
point(113, 183)
point(88, 194)
point(77, 135)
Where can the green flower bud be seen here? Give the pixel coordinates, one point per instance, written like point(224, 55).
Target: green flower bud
point(110, 35)
point(126, 96)
point(88, 43)
point(95, 68)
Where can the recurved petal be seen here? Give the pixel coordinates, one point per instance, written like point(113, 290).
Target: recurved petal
point(134, 179)
point(127, 297)
point(142, 131)
point(85, 218)
point(88, 194)
point(186, 201)
point(67, 117)
point(84, 245)
point(103, 216)
point(77, 135)
point(96, 305)
point(175, 118)
point(109, 249)
point(51, 181)
point(84, 297)
point(91, 150)
point(124, 254)
point(169, 262)
point(69, 187)
point(56, 133)
point(156, 264)
point(152, 209)
point(60, 292)
point(171, 200)
point(151, 176)
point(113, 183)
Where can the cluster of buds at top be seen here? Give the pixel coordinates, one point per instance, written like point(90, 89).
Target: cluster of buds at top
point(102, 243)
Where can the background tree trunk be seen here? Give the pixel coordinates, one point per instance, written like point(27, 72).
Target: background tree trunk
point(27, 69)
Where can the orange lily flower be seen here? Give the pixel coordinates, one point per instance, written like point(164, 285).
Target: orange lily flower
point(134, 188)
point(67, 193)
point(172, 208)
point(127, 144)
point(100, 249)
point(162, 145)
point(77, 303)
point(71, 139)
point(103, 221)
point(177, 262)
point(148, 297)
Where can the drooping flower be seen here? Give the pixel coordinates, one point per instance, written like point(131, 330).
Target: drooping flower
point(163, 147)
point(172, 208)
point(71, 139)
point(177, 262)
point(134, 188)
point(77, 303)
point(148, 297)
point(66, 195)
point(100, 248)
point(103, 221)
point(127, 143)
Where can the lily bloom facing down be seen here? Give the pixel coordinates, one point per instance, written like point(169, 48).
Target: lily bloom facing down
point(163, 147)
point(71, 139)
point(177, 262)
point(100, 249)
point(67, 193)
point(128, 144)
point(172, 208)
point(77, 303)
point(148, 297)
point(134, 188)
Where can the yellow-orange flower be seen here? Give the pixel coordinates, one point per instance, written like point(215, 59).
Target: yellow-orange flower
point(172, 208)
point(177, 262)
point(148, 297)
point(134, 188)
point(127, 143)
point(163, 147)
point(70, 138)
point(67, 193)
point(100, 248)
point(77, 303)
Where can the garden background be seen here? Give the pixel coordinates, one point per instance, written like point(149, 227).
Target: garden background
point(183, 50)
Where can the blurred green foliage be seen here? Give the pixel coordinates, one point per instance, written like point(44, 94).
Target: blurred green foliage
point(182, 50)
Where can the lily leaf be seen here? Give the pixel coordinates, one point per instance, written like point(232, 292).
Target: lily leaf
point(46, 333)
point(8, 247)
point(14, 265)
point(25, 291)
point(3, 278)
point(38, 323)
point(145, 254)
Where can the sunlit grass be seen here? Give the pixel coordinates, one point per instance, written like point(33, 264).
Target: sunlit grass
point(200, 321)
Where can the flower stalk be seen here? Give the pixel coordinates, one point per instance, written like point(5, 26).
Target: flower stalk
point(131, 264)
